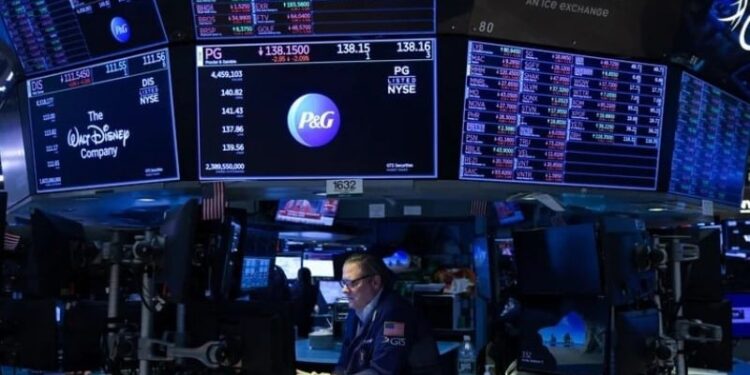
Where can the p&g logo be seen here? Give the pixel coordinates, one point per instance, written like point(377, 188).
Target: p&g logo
point(313, 120)
point(120, 29)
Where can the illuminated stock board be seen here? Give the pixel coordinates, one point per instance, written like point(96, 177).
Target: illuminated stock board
point(544, 117)
point(361, 108)
point(273, 18)
point(711, 143)
point(49, 34)
point(104, 125)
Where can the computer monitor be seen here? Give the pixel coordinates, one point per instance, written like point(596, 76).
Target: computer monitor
point(624, 241)
point(30, 338)
point(290, 265)
point(319, 267)
point(179, 229)
point(740, 302)
point(558, 260)
point(331, 291)
point(49, 269)
point(508, 213)
point(308, 211)
point(256, 272)
point(634, 332)
point(736, 235)
point(261, 334)
point(561, 336)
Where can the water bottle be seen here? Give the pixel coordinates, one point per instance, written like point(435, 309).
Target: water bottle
point(467, 360)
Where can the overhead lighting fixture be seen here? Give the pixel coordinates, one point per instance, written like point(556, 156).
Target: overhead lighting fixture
point(146, 200)
point(657, 209)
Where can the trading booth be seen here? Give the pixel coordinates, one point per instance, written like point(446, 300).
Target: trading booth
point(555, 185)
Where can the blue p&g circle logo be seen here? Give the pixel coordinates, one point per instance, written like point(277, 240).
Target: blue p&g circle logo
point(120, 29)
point(313, 120)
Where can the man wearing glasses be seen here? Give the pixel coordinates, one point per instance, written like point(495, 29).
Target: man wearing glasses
point(384, 334)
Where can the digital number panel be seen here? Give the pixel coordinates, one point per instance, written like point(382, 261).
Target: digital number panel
point(216, 19)
point(712, 140)
point(536, 116)
point(104, 125)
point(49, 34)
point(317, 110)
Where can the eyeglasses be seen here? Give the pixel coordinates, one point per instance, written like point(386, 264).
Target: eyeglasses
point(353, 283)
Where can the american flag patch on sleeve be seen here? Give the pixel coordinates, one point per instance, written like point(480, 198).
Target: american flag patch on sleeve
point(394, 329)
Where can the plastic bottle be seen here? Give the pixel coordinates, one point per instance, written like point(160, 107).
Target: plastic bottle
point(467, 360)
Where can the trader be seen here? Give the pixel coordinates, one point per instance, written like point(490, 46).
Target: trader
point(384, 333)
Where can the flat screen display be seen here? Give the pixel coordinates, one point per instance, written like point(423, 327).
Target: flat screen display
point(560, 260)
point(331, 291)
point(256, 273)
point(740, 314)
point(319, 267)
point(711, 143)
point(317, 110)
point(304, 211)
point(564, 337)
point(104, 125)
point(290, 265)
point(50, 34)
point(216, 19)
point(736, 237)
point(546, 117)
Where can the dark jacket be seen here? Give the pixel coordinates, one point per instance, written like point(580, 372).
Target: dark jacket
point(395, 340)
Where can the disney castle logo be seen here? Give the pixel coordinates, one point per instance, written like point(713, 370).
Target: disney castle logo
point(736, 19)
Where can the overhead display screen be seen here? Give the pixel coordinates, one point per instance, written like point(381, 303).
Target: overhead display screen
point(317, 110)
point(711, 143)
point(49, 34)
point(104, 125)
point(544, 117)
point(216, 19)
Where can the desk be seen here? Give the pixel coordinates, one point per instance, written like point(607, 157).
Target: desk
point(331, 356)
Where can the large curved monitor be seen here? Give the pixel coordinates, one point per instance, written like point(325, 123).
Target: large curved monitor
point(104, 125)
point(313, 110)
point(217, 19)
point(711, 143)
point(51, 34)
point(537, 116)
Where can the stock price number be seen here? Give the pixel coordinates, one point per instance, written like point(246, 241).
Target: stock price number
point(233, 147)
point(232, 111)
point(155, 58)
point(353, 49)
point(76, 75)
point(233, 129)
point(284, 50)
point(232, 92)
point(422, 46)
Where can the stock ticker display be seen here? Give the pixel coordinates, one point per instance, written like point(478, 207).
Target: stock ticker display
point(49, 34)
point(272, 18)
point(317, 110)
point(712, 140)
point(84, 137)
point(536, 116)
